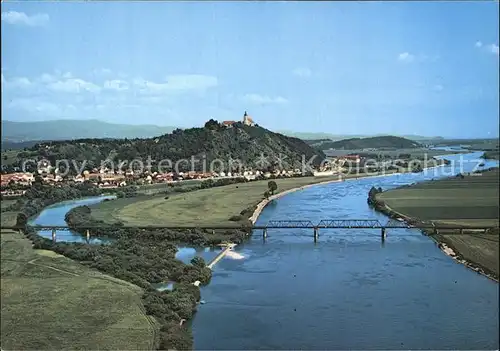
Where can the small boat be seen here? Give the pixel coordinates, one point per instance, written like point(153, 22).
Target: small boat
point(202, 302)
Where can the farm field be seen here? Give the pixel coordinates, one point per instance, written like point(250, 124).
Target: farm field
point(472, 200)
point(151, 189)
point(7, 203)
point(51, 302)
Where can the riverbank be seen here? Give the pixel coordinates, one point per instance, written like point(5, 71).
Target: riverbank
point(468, 200)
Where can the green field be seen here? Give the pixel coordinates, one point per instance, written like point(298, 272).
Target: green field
point(152, 189)
point(9, 156)
point(51, 302)
point(469, 201)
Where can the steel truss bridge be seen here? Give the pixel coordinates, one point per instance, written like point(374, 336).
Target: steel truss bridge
point(429, 227)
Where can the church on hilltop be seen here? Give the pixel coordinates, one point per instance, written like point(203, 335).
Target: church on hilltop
point(247, 120)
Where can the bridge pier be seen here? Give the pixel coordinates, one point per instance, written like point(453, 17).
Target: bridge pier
point(264, 233)
point(53, 235)
point(316, 234)
point(383, 234)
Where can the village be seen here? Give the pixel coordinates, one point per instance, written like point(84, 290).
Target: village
point(14, 184)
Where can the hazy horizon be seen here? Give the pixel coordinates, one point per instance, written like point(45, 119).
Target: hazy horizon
point(354, 68)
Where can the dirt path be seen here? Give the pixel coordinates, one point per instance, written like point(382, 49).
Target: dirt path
point(50, 267)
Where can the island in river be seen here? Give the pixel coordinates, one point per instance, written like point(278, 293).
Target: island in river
point(468, 200)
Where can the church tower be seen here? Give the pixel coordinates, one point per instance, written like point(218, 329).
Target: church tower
point(247, 120)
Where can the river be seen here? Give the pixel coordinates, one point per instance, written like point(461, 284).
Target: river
point(348, 291)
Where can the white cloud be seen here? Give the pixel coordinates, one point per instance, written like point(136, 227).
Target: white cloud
point(438, 87)
point(43, 108)
point(65, 95)
point(493, 48)
point(116, 84)
point(20, 18)
point(73, 85)
point(47, 78)
point(20, 82)
point(177, 83)
point(406, 57)
point(191, 82)
point(263, 100)
point(102, 71)
point(303, 72)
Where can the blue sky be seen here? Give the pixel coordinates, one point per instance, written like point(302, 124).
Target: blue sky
point(428, 68)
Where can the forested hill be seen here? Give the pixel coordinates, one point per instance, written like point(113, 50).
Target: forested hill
point(379, 142)
point(214, 141)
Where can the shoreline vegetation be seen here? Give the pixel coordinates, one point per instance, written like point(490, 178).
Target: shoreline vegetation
point(476, 251)
point(146, 257)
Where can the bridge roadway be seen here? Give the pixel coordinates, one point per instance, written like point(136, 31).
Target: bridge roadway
point(291, 224)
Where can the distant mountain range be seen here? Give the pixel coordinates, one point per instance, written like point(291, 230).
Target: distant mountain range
point(28, 133)
point(77, 129)
point(335, 137)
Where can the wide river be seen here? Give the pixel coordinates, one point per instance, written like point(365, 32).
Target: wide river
point(347, 291)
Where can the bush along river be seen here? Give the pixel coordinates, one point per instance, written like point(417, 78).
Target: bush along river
point(348, 291)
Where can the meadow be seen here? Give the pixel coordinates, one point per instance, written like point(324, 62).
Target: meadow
point(469, 201)
point(51, 302)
